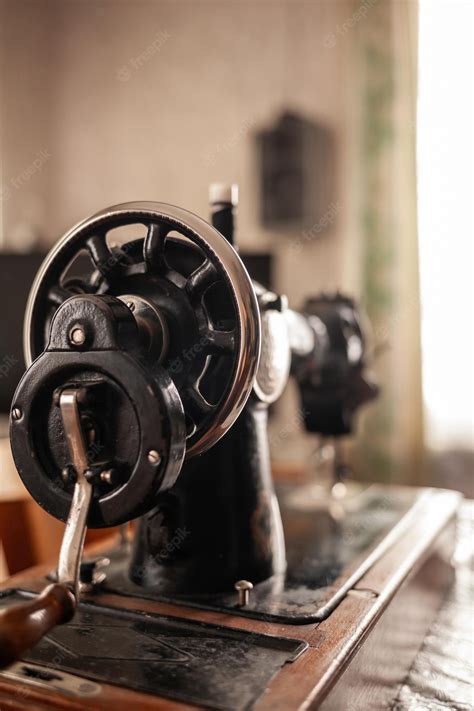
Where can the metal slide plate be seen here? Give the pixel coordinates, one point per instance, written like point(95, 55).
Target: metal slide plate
point(194, 662)
point(328, 551)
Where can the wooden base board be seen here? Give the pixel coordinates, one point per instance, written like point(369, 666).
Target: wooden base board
point(357, 658)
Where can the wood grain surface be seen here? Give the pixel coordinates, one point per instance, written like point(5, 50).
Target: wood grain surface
point(356, 658)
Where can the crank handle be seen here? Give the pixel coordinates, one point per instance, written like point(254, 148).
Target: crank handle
point(23, 625)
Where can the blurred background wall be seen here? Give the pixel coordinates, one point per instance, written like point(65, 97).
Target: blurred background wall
point(157, 99)
point(118, 101)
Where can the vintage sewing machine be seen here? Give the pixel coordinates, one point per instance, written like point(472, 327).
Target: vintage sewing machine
point(152, 364)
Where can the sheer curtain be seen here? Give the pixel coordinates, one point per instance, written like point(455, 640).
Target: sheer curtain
point(445, 188)
point(383, 186)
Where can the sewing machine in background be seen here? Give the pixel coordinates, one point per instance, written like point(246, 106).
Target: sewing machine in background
point(152, 362)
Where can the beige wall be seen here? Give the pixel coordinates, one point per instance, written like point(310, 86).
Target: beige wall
point(120, 126)
point(154, 100)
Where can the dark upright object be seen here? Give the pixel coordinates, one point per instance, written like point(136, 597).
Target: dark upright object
point(223, 201)
point(222, 512)
point(297, 175)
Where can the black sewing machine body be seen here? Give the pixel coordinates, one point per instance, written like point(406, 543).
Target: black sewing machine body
point(170, 362)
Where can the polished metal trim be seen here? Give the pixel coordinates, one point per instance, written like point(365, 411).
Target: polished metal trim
point(43, 677)
point(210, 240)
point(74, 534)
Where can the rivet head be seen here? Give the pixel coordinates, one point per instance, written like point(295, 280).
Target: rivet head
point(77, 336)
point(108, 476)
point(154, 457)
point(16, 413)
point(243, 587)
point(67, 474)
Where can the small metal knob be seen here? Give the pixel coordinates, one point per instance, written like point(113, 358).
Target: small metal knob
point(77, 336)
point(243, 587)
point(91, 575)
point(154, 457)
point(108, 476)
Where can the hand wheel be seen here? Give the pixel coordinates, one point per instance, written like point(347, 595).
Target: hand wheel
point(164, 261)
point(130, 416)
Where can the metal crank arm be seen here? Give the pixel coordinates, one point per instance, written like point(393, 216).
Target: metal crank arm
point(23, 625)
point(73, 540)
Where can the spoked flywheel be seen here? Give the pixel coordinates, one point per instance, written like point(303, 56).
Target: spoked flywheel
point(186, 287)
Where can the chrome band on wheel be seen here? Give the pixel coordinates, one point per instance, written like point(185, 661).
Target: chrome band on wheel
point(203, 291)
